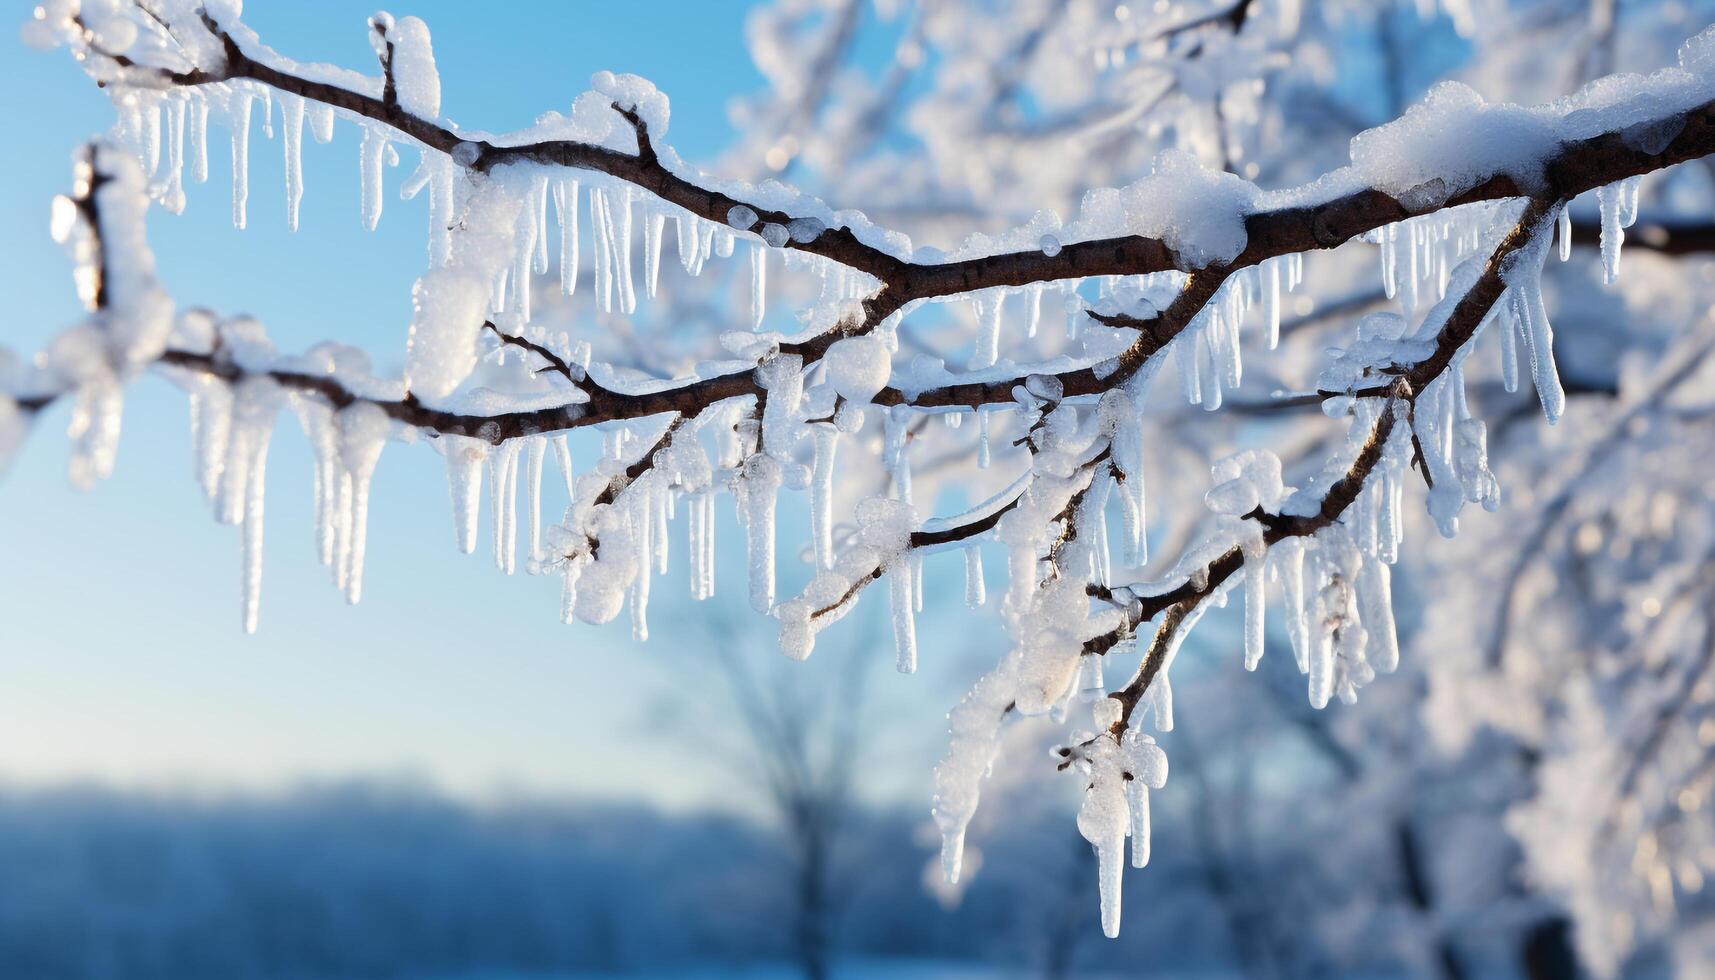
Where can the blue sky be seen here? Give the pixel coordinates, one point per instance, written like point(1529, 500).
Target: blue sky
point(121, 656)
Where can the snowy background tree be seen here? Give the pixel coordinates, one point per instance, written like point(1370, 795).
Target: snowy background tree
point(1335, 221)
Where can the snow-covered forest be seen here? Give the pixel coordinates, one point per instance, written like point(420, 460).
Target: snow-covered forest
point(1315, 394)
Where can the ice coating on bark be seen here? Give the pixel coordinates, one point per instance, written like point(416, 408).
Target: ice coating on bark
point(414, 72)
point(858, 367)
point(451, 302)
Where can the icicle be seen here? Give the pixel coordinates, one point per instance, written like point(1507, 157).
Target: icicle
point(539, 194)
point(198, 123)
point(1329, 600)
point(369, 153)
point(762, 479)
point(292, 126)
point(982, 439)
point(563, 456)
point(538, 235)
point(341, 527)
point(1390, 260)
point(268, 112)
point(1162, 690)
point(1140, 831)
point(1375, 609)
point(503, 491)
point(758, 283)
point(317, 421)
point(1271, 301)
point(976, 590)
point(1386, 517)
point(1609, 199)
point(1414, 249)
point(1539, 342)
point(1033, 297)
point(644, 526)
point(569, 576)
point(988, 310)
point(1148, 769)
point(699, 521)
point(173, 194)
point(1103, 819)
point(566, 213)
point(685, 234)
point(1128, 454)
point(653, 225)
point(152, 138)
point(229, 496)
point(95, 429)
point(1295, 602)
point(706, 237)
point(526, 240)
point(1255, 551)
point(603, 256)
point(1563, 231)
point(694, 531)
point(706, 560)
point(916, 559)
point(1231, 361)
point(902, 592)
point(363, 432)
point(1443, 269)
point(536, 450)
point(709, 526)
point(827, 440)
point(465, 456)
point(894, 457)
point(240, 498)
point(661, 513)
point(320, 116)
point(1509, 349)
point(1628, 195)
point(627, 292)
point(1209, 357)
point(211, 421)
point(240, 158)
point(254, 489)
point(1100, 558)
point(1185, 351)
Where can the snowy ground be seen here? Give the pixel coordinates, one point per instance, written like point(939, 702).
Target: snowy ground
point(892, 969)
point(861, 970)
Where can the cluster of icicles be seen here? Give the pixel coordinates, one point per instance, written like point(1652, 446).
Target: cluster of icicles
point(170, 131)
point(1334, 585)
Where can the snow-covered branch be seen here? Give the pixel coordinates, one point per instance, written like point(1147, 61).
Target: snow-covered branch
point(1463, 200)
point(1209, 225)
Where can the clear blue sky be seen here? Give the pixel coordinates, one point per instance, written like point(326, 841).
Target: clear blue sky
point(121, 656)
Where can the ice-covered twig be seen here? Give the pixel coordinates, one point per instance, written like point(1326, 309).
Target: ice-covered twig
point(1308, 220)
point(556, 363)
point(1463, 321)
point(940, 533)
